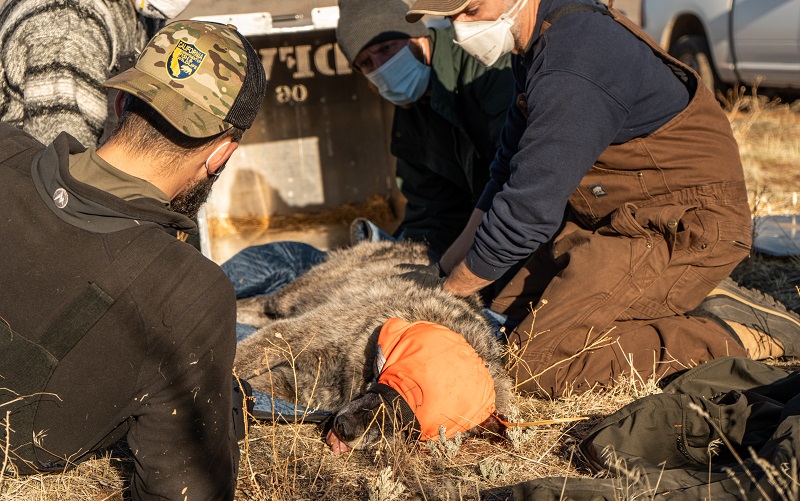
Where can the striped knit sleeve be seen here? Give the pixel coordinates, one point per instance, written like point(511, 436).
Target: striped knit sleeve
point(63, 55)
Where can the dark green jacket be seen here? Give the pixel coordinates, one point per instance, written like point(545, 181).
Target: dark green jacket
point(697, 440)
point(445, 142)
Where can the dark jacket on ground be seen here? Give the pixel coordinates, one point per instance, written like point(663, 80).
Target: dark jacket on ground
point(683, 444)
point(156, 368)
point(445, 142)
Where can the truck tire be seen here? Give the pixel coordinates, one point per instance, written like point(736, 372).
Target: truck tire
point(693, 51)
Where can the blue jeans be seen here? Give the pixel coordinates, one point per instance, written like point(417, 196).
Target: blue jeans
point(261, 270)
point(264, 269)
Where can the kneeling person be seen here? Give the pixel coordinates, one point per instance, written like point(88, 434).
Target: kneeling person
point(111, 327)
point(449, 111)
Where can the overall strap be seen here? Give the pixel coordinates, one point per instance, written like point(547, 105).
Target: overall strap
point(565, 10)
point(686, 74)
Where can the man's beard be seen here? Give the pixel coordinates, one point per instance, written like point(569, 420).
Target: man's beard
point(516, 29)
point(189, 201)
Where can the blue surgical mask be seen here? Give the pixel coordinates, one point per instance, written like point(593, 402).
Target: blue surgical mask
point(403, 79)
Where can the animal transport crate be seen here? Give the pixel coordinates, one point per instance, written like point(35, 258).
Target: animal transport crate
point(319, 142)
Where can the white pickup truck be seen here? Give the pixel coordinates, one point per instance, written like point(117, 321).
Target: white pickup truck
point(730, 41)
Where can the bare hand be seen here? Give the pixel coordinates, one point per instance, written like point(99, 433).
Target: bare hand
point(462, 282)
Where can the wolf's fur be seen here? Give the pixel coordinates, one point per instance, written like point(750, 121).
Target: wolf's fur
point(324, 356)
point(342, 271)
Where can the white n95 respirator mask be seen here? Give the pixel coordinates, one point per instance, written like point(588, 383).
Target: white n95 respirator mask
point(403, 79)
point(487, 41)
point(160, 9)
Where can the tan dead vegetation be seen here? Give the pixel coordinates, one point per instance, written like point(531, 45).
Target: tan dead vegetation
point(377, 209)
point(768, 132)
point(292, 462)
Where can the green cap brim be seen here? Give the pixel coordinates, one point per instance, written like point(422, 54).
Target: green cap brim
point(183, 114)
point(435, 8)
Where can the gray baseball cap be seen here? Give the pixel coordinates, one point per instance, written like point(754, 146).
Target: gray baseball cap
point(366, 22)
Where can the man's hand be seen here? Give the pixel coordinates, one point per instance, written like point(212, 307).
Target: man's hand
point(462, 282)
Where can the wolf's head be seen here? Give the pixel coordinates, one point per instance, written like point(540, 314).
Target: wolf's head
point(380, 415)
point(427, 377)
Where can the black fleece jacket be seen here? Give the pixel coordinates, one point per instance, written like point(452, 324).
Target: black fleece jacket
point(157, 366)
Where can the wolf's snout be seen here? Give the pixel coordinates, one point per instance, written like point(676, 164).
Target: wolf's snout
point(344, 427)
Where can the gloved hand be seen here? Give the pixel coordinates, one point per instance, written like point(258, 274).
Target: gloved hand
point(428, 276)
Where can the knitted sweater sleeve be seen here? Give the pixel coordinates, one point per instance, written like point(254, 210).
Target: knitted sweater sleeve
point(62, 53)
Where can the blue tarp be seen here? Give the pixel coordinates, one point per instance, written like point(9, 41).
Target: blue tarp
point(285, 411)
point(778, 236)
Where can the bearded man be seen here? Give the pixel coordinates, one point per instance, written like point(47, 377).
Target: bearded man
point(111, 327)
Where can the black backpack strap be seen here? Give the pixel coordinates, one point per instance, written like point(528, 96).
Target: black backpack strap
point(87, 309)
point(404, 417)
point(27, 366)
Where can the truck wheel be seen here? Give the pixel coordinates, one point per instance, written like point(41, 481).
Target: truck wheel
point(693, 51)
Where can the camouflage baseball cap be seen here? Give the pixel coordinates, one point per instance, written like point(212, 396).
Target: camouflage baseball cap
point(202, 77)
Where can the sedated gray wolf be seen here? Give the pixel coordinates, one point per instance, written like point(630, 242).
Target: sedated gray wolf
point(321, 352)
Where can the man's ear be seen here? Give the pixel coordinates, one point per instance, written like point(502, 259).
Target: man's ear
point(421, 48)
point(220, 154)
point(373, 87)
point(118, 102)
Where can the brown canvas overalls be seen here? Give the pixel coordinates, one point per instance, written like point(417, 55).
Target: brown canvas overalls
point(656, 224)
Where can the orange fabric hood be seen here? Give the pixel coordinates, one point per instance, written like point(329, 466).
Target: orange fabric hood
point(440, 376)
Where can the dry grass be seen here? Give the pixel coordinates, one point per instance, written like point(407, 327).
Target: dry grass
point(768, 133)
point(95, 480)
point(291, 462)
point(377, 209)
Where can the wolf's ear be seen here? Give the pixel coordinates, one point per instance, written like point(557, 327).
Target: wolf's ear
point(369, 386)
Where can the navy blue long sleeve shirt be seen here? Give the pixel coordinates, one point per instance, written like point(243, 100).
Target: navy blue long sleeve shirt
point(589, 83)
